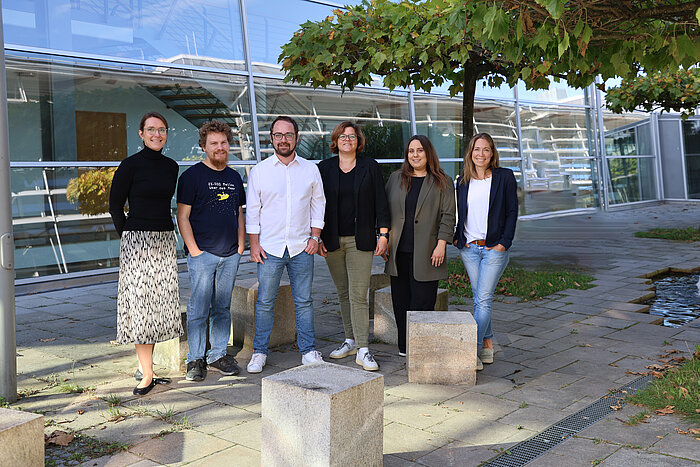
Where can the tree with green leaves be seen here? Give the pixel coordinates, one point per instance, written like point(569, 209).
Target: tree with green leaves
point(434, 42)
point(677, 90)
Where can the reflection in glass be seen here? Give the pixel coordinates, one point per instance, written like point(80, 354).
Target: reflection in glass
point(61, 223)
point(62, 113)
point(631, 179)
point(383, 117)
point(559, 92)
point(560, 169)
point(691, 140)
point(271, 23)
point(195, 32)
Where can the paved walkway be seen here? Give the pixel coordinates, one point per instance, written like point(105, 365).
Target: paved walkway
point(555, 356)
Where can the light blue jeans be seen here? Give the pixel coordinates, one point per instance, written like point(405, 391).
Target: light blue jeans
point(484, 268)
point(212, 279)
point(301, 275)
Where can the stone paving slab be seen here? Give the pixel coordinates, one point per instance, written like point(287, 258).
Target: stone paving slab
point(554, 356)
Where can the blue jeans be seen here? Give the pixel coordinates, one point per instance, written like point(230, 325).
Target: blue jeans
point(484, 268)
point(301, 275)
point(212, 279)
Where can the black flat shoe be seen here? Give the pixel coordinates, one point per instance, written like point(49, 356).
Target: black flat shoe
point(162, 380)
point(145, 390)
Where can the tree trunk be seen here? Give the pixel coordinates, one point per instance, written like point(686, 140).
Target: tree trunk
point(470, 75)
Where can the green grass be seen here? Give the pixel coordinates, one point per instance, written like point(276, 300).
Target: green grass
point(517, 282)
point(678, 387)
point(691, 234)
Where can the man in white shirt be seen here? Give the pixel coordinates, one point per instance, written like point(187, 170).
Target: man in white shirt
point(284, 218)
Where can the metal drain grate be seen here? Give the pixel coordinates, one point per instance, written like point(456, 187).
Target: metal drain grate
point(530, 449)
point(524, 452)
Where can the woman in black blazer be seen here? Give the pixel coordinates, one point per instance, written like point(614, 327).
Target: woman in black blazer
point(487, 210)
point(355, 207)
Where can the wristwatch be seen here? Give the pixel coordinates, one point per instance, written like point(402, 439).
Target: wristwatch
point(385, 235)
point(318, 239)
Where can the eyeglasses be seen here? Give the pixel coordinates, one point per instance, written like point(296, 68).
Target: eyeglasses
point(350, 137)
point(281, 136)
point(161, 131)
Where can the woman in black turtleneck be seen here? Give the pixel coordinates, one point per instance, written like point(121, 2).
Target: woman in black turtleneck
point(148, 304)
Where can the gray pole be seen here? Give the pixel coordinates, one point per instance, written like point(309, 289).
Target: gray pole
point(8, 344)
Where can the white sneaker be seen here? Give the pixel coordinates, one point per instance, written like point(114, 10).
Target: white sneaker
point(313, 356)
point(479, 364)
point(367, 361)
point(344, 350)
point(257, 362)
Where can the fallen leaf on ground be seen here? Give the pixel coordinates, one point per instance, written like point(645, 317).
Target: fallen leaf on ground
point(550, 284)
point(657, 375)
point(684, 391)
point(617, 406)
point(612, 364)
point(674, 351)
point(81, 411)
point(681, 432)
point(694, 431)
point(577, 284)
point(642, 373)
point(666, 410)
point(60, 438)
point(325, 302)
point(50, 339)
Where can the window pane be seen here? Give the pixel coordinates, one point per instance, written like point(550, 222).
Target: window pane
point(631, 179)
point(691, 139)
point(272, 23)
point(83, 114)
point(560, 169)
point(559, 92)
point(440, 119)
point(383, 117)
point(192, 32)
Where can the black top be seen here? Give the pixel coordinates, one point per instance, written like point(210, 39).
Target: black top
point(215, 196)
point(147, 180)
point(346, 203)
point(369, 198)
point(406, 241)
point(503, 209)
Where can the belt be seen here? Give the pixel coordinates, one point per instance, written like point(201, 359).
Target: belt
point(479, 242)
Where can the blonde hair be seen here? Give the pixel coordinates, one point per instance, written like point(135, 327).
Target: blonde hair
point(469, 170)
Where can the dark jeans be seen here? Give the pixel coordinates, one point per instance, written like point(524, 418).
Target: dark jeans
point(409, 294)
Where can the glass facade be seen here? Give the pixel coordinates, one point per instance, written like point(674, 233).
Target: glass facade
point(80, 74)
point(691, 143)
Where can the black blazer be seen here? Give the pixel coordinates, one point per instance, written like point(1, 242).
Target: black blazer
point(371, 207)
point(503, 209)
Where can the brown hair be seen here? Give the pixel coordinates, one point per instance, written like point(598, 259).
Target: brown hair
point(339, 131)
point(432, 166)
point(469, 170)
point(152, 115)
point(215, 126)
point(284, 118)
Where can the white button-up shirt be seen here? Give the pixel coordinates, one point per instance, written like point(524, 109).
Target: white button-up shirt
point(283, 203)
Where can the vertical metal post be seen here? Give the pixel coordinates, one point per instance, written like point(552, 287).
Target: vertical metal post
point(519, 131)
point(8, 344)
point(412, 112)
point(601, 145)
point(251, 81)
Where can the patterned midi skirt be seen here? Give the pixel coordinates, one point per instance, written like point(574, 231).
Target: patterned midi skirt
point(148, 303)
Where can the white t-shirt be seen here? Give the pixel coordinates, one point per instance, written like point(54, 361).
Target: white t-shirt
point(477, 221)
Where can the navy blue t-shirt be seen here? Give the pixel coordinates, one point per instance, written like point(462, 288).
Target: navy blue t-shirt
point(215, 197)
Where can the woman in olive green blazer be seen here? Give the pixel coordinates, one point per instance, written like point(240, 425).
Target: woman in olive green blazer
point(422, 205)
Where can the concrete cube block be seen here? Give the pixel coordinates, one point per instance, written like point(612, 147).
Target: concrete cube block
point(385, 329)
point(378, 280)
point(21, 438)
point(172, 353)
point(322, 415)
point(243, 299)
point(441, 347)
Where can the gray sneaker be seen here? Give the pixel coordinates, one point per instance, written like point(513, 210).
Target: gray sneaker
point(344, 350)
point(486, 355)
point(196, 370)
